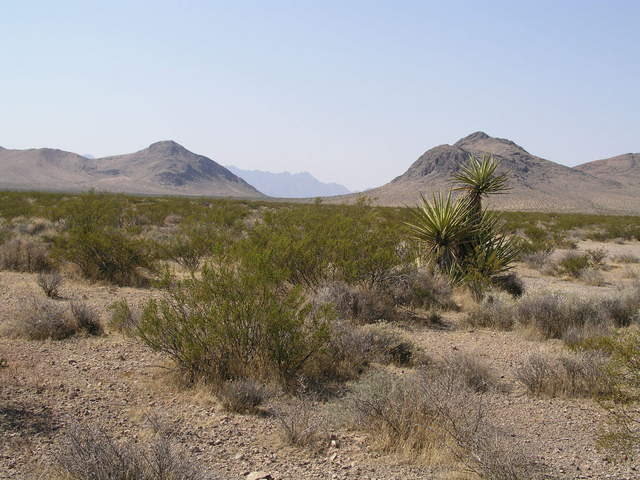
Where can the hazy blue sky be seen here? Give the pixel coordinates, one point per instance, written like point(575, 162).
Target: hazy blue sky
point(352, 91)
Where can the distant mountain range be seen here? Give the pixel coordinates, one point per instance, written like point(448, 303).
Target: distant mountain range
point(289, 185)
point(165, 168)
point(607, 186)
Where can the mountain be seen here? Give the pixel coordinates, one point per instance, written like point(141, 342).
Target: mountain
point(162, 168)
point(536, 184)
point(624, 169)
point(289, 185)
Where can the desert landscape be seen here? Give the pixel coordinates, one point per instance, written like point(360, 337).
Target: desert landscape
point(338, 240)
point(187, 338)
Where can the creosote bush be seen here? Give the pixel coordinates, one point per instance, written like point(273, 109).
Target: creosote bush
point(123, 318)
point(234, 324)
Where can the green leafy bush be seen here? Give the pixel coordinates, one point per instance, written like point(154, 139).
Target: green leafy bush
point(233, 323)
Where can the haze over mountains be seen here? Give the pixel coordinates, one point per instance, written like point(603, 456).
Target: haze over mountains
point(289, 185)
point(608, 186)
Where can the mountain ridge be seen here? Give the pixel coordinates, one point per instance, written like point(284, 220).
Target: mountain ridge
point(164, 167)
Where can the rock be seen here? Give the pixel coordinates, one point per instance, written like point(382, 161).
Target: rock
point(259, 476)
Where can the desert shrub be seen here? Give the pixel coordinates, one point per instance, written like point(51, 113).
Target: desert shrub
point(471, 371)
point(233, 324)
point(625, 258)
point(108, 255)
point(422, 414)
point(312, 244)
point(538, 260)
point(298, 424)
point(24, 255)
point(577, 375)
point(241, 395)
point(92, 454)
point(41, 320)
point(623, 369)
point(419, 288)
point(597, 256)
point(364, 304)
point(123, 319)
point(492, 313)
point(552, 315)
point(509, 283)
point(573, 264)
point(50, 283)
point(593, 277)
point(86, 317)
point(351, 349)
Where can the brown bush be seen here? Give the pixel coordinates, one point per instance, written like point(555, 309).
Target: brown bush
point(472, 372)
point(579, 375)
point(492, 313)
point(242, 395)
point(420, 415)
point(41, 320)
point(86, 317)
point(93, 454)
point(50, 283)
point(298, 423)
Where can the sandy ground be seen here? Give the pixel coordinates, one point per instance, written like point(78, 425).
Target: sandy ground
point(116, 383)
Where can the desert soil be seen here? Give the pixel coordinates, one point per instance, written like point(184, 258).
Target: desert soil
point(117, 383)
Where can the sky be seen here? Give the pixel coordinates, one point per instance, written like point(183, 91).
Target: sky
point(352, 91)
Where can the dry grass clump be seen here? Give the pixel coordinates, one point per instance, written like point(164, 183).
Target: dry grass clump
point(426, 417)
point(242, 395)
point(576, 375)
point(41, 320)
point(538, 260)
point(86, 317)
point(24, 255)
point(419, 288)
point(50, 283)
point(298, 423)
point(493, 313)
point(364, 304)
point(471, 371)
point(93, 454)
point(593, 277)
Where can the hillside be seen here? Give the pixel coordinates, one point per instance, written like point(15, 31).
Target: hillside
point(536, 184)
point(289, 185)
point(162, 168)
point(624, 169)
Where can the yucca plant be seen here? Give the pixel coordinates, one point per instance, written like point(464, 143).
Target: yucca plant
point(459, 238)
point(478, 179)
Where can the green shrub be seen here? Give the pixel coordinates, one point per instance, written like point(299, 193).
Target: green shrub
point(123, 319)
point(573, 264)
point(231, 324)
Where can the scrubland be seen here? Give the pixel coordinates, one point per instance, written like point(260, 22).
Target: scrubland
point(172, 338)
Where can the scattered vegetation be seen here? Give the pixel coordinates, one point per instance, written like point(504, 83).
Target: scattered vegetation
point(41, 320)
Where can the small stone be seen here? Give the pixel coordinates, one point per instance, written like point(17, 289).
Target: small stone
point(259, 476)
